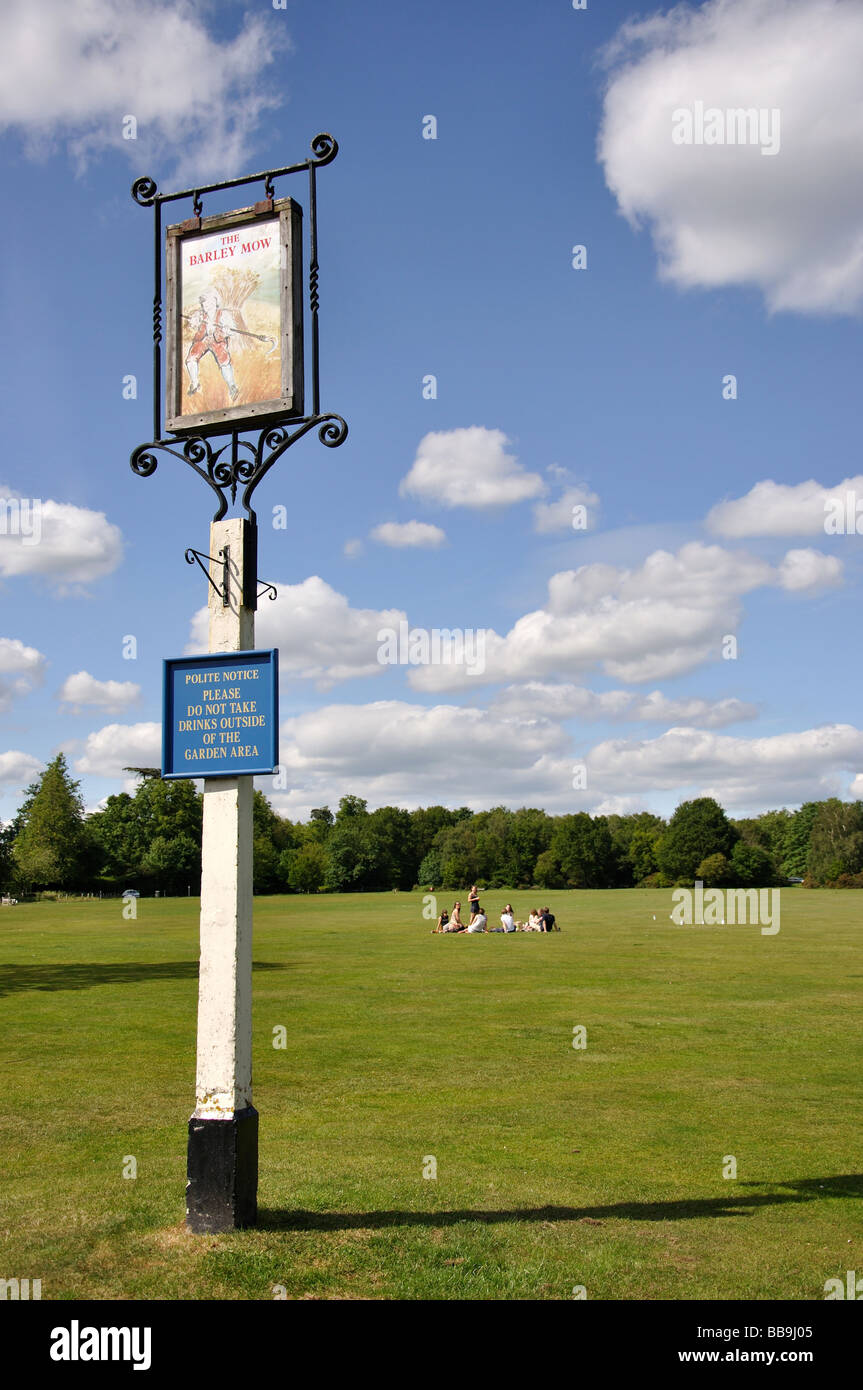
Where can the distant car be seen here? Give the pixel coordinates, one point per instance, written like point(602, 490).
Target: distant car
point(131, 893)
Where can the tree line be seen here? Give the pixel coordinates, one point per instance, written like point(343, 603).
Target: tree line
point(151, 840)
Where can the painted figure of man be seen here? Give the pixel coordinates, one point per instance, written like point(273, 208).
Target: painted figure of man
point(211, 326)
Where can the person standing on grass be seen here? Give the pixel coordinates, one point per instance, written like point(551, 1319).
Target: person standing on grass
point(473, 900)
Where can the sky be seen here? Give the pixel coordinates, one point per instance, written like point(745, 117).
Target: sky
point(616, 470)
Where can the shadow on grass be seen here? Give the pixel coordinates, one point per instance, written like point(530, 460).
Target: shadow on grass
point(804, 1190)
point(16, 978)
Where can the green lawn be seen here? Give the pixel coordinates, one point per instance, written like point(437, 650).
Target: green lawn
point(556, 1167)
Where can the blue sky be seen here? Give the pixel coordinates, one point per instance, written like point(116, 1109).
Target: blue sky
point(600, 387)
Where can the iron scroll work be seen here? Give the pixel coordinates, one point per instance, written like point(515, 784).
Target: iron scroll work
point(238, 463)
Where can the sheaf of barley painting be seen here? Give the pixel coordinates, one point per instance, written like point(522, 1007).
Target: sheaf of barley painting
point(230, 318)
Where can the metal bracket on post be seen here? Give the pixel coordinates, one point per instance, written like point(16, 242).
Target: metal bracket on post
point(198, 557)
point(249, 577)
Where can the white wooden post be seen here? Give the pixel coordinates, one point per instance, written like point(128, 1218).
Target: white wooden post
point(221, 1192)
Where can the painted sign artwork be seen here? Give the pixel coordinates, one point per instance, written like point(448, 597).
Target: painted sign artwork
point(235, 319)
point(230, 318)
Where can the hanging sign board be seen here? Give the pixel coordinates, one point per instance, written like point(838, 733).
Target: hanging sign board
point(234, 353)
point(220, 715)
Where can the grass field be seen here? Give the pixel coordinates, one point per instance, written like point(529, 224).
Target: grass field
point(556, 1167)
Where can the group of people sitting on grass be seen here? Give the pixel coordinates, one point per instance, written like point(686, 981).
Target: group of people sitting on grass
point(540, 919)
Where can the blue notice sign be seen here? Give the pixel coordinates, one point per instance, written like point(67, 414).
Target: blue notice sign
point(220, 715)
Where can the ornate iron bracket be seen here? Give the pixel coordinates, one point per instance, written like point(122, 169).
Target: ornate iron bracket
point(248, 462)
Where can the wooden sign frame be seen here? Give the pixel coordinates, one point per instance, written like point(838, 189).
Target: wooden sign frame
point(247, 372)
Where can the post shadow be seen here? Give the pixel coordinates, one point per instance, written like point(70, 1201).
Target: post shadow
point(801, 1190)
point(62, 975)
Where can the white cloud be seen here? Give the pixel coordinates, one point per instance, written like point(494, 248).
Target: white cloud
point(808, 571)
point(705, 714)
point(319, 636)
point(18, 769)
point(394, 752)
point(856, 788)
point(558, 516)
point(81, 690)
point(662, 619)
point(535, 700)
point(619, 806)
point(780, 509)
point(469, 468)
point(24, 666)
point(74, 71)
point(108, 750)
point(352, 549)
point(68, 545)
point(15, 657)
point(407, 534)
point(790, 224)
point(780, 770)
point(573, 701)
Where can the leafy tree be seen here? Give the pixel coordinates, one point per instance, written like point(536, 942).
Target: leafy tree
point(351, 808)
point(155, 834)
point(391, 848)
point(635, 839)
point(116, 832)
point(547, 872)
point(169, 809)
point(426, 822)
point(264, 818)
point(582, 848)
point(456, 848)
point(174, 863)
point(265, 873)
point(350, 857)
point(273, 834)
point(493, 837)
point(131, 833)
point(307, 869)
point(7, 863)
point(641, 855)
point(714, 871)
point(530, 837)
point(697, 830)
point(50, 847)
point(752, 866)
point(795, 841)
point(321, 822)
point(766, 831)
point(430, 873)
point(836, 841)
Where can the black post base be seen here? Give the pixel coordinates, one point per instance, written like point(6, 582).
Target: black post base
point(222, 1173)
